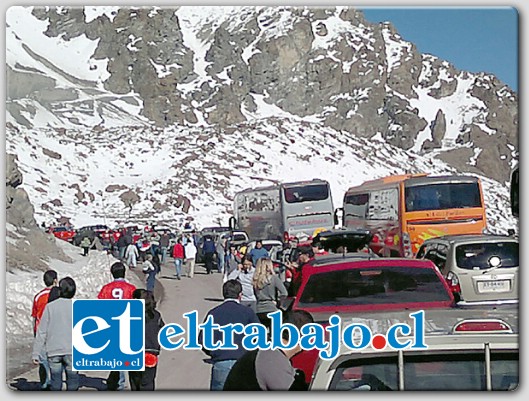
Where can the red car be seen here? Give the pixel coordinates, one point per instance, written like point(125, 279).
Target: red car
point(63, 233)
point(347, 285)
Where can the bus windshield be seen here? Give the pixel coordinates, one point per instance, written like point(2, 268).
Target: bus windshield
point(306, 193)
point(442, 196)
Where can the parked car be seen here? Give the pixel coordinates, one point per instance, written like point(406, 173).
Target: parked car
point(478, 268)
point(466, 350)
point(340, 284)
point(64, 233)
point(237, 238)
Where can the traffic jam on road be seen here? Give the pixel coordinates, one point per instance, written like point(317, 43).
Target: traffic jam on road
point(397, 248)
point(404, 244)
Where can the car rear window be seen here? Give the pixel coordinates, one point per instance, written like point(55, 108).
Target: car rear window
point(477, 255)
point(384, 285)
point(429, 372)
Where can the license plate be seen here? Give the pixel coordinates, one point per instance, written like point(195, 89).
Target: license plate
point(494, 286)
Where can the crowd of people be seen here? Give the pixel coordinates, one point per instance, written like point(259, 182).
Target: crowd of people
point(252, 288)
point(52, 327)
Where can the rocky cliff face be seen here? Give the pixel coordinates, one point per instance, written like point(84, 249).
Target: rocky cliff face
point(211, 66)
point(181, 107)
point(28, 247)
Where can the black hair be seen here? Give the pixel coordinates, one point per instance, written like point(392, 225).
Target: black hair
point(298, 318)
point(306, 250)
point(150, 301)
point(49, 277)
point(118, 270)
point(67, 287)
point(231, 289)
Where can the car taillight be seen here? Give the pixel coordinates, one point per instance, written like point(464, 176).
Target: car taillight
point(406, 245)
point(286, 237)
point(453, 282)
point(492, 325)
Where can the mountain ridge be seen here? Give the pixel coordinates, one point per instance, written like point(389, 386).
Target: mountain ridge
point(181, 107)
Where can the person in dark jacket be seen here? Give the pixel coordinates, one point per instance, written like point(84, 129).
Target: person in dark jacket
point(122, 245)
point(145, 381)
point(228, 312)
point(270, 369)
point(208, 250)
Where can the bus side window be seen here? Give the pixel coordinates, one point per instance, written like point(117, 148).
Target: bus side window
point(357, 205)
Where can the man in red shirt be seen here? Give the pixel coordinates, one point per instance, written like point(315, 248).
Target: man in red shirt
point(117, 289)
point(39, 303)
point(179, 256)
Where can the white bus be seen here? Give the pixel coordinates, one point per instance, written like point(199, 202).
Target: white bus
point(284, 211)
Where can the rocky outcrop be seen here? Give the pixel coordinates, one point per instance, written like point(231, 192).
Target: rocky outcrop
point(28, 247)
point(363, 79)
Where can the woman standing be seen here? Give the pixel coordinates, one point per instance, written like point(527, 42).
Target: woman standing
point(269, 289)
point(145, 380)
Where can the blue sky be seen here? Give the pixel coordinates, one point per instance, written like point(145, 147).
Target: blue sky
point(478, 39)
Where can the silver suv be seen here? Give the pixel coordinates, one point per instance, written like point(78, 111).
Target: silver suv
point(467, 349)
point(478, 268)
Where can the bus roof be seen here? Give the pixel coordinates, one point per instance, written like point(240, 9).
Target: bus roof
point(286, 184)
point(298, 183)
point(387, 180)
point(412, 180)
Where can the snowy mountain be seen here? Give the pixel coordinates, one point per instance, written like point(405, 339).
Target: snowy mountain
point(156, 114)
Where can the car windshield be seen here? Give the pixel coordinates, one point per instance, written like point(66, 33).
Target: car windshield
point(384, 285)
point(442, 196)
point(447, 371)
point(477, 255)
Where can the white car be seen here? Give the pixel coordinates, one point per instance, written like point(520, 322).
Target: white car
point(467, 349)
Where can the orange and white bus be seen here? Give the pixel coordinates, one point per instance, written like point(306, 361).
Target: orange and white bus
point(402, 211)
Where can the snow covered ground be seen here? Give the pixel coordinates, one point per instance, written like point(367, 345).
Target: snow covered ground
point(90, 274)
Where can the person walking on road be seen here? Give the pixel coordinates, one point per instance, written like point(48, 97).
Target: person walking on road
point(150, 271)
point(145, 380)
point(190, 251)
point(228, 312)
point(269, 289)
point(178, 255)
point(122, 245)
point(271, 369)
point(86, 244)
point(39, 303)
point(232, 262)
point(164, 246)
point(208, 250)
point(54, 338)
point(244, 274)
point(119, 288)
point(132, 254)
point(221, 254)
